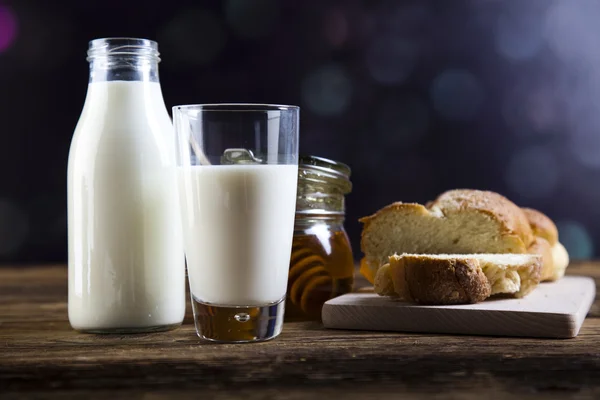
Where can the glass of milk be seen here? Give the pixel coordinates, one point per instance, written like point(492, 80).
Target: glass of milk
point(237, 171)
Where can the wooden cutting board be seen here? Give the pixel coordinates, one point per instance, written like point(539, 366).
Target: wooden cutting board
point(552, 310)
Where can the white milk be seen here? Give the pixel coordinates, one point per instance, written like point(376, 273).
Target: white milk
point(238, 222)
point(126, 262)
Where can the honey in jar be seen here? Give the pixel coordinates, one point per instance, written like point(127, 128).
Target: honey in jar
point(321, 264)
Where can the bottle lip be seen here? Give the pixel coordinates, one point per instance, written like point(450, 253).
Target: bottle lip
point(123, 46)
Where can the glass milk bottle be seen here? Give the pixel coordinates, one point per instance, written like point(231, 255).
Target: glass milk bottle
point(126, 260)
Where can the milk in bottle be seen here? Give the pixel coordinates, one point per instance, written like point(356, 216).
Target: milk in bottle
point(126, 260)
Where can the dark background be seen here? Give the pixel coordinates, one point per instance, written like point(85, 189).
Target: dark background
point(416, 96)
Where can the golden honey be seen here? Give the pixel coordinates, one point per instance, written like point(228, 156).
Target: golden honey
point(321, 268)
point(321, 263)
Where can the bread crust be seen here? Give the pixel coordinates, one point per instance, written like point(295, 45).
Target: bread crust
point(431, 281)
point(455, 279)
point(384, 286)
point(541, 225)
point(396, 206)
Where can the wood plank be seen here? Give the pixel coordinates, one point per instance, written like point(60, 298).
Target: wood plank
point(63, 346)
point(350, 391)
point(305, 355)
point(553, 310)
point(41, 356)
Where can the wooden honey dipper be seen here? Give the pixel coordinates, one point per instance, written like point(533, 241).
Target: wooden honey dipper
point(310, 284)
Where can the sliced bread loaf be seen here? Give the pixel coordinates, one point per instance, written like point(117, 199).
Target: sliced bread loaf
point(461, 222)
point(458, 222)
point(457, 278)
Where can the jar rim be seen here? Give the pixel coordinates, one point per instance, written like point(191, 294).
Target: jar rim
point(123, 46)
point(324, 171)
point(322, 163)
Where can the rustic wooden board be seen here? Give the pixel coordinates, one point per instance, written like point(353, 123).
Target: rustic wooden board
point(41, 357)
point(553, 310)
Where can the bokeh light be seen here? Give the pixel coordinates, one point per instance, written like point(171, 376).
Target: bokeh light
point(193, 37)
point(45, 38)
point(518, 37)
point(585, 144)
point(328, 90)
point(252, 19)
point(532, 173)
point(576, 239)
point(572, 31)
point(402, 122)
point(14, 227)
point(8, 28)
point(543, 109)
point(391, 59)
point(531, 111)
point(335, 27)
point(456, 94)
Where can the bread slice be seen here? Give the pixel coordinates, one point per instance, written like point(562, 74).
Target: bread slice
point(498, 207)
point(457, 222)
point(457, 278)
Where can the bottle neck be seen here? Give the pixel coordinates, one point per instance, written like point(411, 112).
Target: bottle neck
point(123, 59)
point(123, 68)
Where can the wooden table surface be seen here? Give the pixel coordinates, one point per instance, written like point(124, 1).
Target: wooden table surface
point(41, 357)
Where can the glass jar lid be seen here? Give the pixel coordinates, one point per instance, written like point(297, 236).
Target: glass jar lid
point(322, 184)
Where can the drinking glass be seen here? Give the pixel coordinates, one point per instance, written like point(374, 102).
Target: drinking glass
point(237, 172)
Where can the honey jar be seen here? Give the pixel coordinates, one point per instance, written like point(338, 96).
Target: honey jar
point(321, 264)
